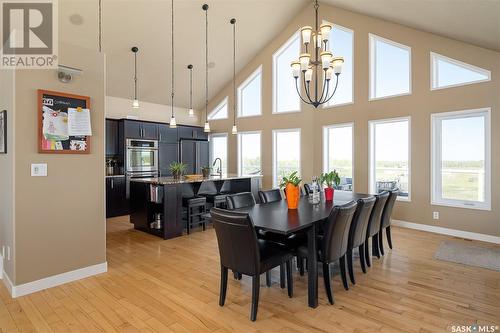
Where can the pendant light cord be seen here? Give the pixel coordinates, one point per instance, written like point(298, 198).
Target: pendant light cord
point(191, 87)
point(206, 63)
point(135, 75)
point(172, 1)
point(233, 21)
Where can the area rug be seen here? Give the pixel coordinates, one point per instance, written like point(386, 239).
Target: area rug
point(470, 255)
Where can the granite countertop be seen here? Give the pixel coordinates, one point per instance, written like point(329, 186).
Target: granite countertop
point(183, 180)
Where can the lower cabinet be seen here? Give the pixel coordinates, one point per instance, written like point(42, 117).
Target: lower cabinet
point(116, 200)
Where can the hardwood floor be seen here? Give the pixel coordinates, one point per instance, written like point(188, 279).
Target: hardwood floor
point(173, 286)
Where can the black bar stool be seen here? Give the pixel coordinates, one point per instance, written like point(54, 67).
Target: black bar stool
point(195, 212)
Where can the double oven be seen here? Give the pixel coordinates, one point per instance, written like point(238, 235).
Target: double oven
point(141, 160)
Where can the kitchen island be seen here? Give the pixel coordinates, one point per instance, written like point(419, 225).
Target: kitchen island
point(160, 199)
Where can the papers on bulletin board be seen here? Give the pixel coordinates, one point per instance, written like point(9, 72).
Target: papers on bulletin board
point(79, 122)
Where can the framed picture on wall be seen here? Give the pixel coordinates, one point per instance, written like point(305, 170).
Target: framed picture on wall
point(3, 132)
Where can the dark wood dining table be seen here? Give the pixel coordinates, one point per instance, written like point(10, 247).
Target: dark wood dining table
point(276, 217)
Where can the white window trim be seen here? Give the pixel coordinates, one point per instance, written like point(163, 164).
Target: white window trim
point(239, 148)
point(372, 60)
point(436, 156)
point(326, 146)
point(275, 169)
point(219, 135)
point(434, 71)
point(329, 106)
point(217, 109)
point(371, 147)
point(276, 54)
point(242, 86)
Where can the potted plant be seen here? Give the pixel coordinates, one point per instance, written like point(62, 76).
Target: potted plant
point(177, 169)
point(206, 171)
point(330, 179)
point(290, 183)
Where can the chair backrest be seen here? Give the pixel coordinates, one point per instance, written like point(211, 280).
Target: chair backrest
point(307, 189)
point(334, 244)
point(376, 215)
point(240, 200)
point(387, 213)
point(238, 248)
point(359, 225)
point(270, 196)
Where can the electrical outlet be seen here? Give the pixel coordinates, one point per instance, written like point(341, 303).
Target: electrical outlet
point(435, 215)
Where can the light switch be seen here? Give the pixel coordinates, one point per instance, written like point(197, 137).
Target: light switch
point(39, 170)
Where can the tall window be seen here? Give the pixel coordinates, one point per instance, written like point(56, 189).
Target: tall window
point(341, 43)
point(286, 153)
point(461, 171)
point(220, 111)
point(390, 156)
point(218, 149)
point(249, 150)
point(338, 152)
point(249, 95)
point(448, 72)
point(285, 97)
point(390, 68)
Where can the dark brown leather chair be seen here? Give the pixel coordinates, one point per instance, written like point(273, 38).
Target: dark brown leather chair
point(333, 244)
point(386, 220)
point(240, 200)
point(241, 251)
point(270, 196)
point(373, 227)
point(357, 233)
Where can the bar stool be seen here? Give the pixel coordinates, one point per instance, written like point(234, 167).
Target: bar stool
point(195, 212)
point(213, 196)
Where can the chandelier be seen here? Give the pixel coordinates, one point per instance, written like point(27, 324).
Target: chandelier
point(318, 68)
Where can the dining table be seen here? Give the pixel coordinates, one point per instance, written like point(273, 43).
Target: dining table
point(277, 218)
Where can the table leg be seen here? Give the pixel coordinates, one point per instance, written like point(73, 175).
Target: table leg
point(312, 267)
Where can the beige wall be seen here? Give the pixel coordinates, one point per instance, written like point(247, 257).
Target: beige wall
point(118, 108)
point(60, 219)
point(419, 105)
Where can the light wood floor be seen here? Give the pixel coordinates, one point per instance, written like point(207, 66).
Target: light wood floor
point(173, 286)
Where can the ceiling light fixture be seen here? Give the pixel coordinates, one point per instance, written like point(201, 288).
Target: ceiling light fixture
point(191, 111)
point(235, 128)
point(312, 69)
point(173, 123)
point(135, 103)
point(206, 128)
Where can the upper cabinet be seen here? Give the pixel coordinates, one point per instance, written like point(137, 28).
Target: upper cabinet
point(140, 130)
point(188, 132)
point(167, 134)
point(111, 137)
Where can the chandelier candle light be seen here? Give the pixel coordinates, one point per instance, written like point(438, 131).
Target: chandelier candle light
point(321, 68)
point(135, 103)
point(191, 111)
point(235, 129)
point(206, 128)
point(173, 122)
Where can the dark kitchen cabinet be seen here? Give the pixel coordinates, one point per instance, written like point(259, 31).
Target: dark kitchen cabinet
point(167, 134)
point(168, 153)
point(111, 137)
point(116, 201)
point(188, 132)
point(149, 131)
point(195, 154)
point(140, 130)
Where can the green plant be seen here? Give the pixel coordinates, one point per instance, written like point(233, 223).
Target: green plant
point(292, 178)
point(330, 179)
point(206, 167)
point(177, 168)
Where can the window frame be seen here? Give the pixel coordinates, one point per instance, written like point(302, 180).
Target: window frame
point(434, 71)
point(242, 86)
point(285, 130)
point(219, 135)
point(326, 147)
point(239, 149)
point(372, 153)
point(436, 158)
point(217, 109)
point(327, 105)
point(372, 66)
point(276, 55)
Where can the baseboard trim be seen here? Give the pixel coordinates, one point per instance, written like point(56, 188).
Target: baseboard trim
point(447, 231)
point(7, 282)
point(55, 280)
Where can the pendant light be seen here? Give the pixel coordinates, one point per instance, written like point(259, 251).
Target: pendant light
point(135, 103)
point(206, 128)
point(191, 111)
point(173, 123)
point(235, 129)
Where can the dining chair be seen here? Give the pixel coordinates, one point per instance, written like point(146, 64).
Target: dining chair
point(386, 220)
point(373, 227)
point(333, 244)
point(240, 200)
point(357, 233)
point(268, 196)
point(241, 251)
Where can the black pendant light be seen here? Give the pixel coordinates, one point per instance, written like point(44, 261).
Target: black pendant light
point(206, 128)
point(173, 123)
point(135, 103)
point(190, 111)
point(234, 129)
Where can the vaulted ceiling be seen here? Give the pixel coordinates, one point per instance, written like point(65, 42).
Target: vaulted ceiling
point(146, 24)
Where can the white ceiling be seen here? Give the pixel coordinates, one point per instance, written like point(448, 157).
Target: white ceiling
point(146, 24)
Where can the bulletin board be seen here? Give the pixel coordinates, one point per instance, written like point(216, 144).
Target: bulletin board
point(53, 134)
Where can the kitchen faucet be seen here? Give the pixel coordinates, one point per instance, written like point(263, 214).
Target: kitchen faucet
point(219, 169)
